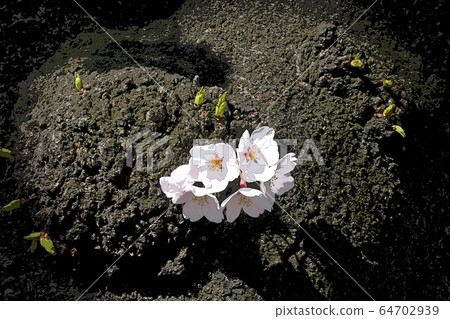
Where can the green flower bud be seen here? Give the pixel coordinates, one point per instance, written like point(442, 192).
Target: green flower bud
point(199, 97)
point(33, 246)
point(399, 130)
point(78, 83)
point(15, 204)
point(44, 240)
point(389, 110)
point(48, 245)
point(387, 83)
point(357, 63)
point(221, 106)
point(33, 236)
point(222, 97)
point(220, 111)
point(6, 153)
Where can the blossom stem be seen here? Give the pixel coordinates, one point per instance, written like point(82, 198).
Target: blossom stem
point(242, 184)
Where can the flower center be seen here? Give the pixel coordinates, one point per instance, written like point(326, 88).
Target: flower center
point(245, 201)
point(272, 180)
point(215, 164)
point(251, 154)
point(201, 201)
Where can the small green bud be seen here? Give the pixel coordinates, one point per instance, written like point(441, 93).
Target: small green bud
point(33, 236)
point(6, 153)
point(78, 83)
point(48, 245)
point(15, 204)
point(221, 110)
point(199, 97)
point(399, 130)
point(44, 240)
point(222, 98)
point(221, 106)
point(389, 110)
point(357, 63)
point(33, 246)
point(387, 83)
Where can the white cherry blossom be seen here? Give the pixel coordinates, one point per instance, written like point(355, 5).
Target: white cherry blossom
point(281, 181)
point(179, 182)
point(216, 165)
point(196, 207)
point(286, 164)
point(198, 202)
point(212, 167)
point(257, 154)
point(252, 201)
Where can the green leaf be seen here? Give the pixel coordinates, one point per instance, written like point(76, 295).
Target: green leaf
point(15, 204)
point(32, 236)
point(33, 246)
point(48, 245)
point(6, 153)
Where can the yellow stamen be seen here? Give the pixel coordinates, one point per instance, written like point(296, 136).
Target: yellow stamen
point(252, 154)
point(272, 180)
point(215, 164)
point(201, 201)
point(245, 201)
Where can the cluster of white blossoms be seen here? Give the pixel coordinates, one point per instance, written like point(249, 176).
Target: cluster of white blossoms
point(212, 167)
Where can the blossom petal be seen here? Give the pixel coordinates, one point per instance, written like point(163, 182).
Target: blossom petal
point(252, 201)
point(192, 212)
point(283, 184)
point(233, 168)
point(182, 198)
point(255, 206)
point(233, 208)
point(267, 202)
point(267, 191)
point(263, 139)
point(215, 162)
point(228, 199)
point(193, 171)
point(180, 171)
point(195, 207)
point(245, 135)
point(279, 184)
point(178, 183)
point(250, 192)
point(250, 174)
point(213, 212)
point(286, 164)
point(263, 132)
point(213, 186)
point(165, 186)
point(258, 154)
